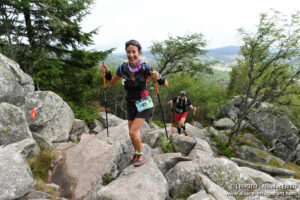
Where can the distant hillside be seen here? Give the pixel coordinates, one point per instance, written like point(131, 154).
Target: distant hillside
point(225, 56)
point(229, 50)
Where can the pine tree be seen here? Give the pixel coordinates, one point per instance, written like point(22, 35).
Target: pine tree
point(46, 39)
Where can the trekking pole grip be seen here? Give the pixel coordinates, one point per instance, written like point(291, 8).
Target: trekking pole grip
point(155, 81)
point(104, 84)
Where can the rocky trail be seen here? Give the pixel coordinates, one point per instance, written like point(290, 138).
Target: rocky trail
point(87, 167)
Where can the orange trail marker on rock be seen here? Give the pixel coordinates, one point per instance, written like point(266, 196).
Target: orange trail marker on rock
point(33, 113)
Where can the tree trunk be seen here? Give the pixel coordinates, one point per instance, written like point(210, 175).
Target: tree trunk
point(29, 28)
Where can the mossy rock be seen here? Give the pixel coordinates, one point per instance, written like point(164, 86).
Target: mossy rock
point(183, 196)
point(274, 162)
point(262, 154)
point(294, 167)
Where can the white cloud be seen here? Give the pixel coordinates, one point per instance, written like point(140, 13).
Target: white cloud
point(154, 20)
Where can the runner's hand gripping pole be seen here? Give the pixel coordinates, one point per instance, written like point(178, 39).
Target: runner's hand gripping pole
point(162, 113)
point(104, 86)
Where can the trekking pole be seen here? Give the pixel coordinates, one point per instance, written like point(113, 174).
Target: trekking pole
point(162, 113)
point(172, 116)
point(104, 85)
point(193, 122)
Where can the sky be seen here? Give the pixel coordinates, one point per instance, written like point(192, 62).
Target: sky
point(150, 21)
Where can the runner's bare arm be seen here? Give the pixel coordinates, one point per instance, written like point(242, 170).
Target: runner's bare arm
point(193, 107)
point(166, 84)
point(114, 80)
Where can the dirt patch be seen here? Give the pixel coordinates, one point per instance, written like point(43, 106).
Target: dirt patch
point(61, 177)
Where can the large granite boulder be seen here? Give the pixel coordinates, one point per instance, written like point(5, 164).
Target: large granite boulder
point(144, 182)
point(93, 157)
point(151, 137)
point(295, 156)
point(201, 195)
point(15, 84)
point(231, 109)
point(284, 189)
point(13, 125)
point(201, 150)
point(223, 172)
point(224, 123)
point(212, 188)
point(119, 137)
point(113, 120)
point(145, 127)
point(78, 128)
point(97, 127)
point(259, 177)
point(195, 131)
point(97, 157)
point(273, 171)
point(15, 175)
point(275, 126)
point(54, 118)
point(214, 133)
point(183, 144)
point(167, 161)
point(269, 122)
point(250, 140)
point(257, 155)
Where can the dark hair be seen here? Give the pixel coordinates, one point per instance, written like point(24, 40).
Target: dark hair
point(134, 43)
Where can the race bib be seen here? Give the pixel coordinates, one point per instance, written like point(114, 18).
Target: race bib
point(144, 104)
point(179, 110)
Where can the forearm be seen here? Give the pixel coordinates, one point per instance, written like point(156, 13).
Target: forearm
point(166, 84)
point(114, 80)
point(162, 81)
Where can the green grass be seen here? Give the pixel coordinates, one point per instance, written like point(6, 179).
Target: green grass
point(40, 164)
point(224, 148)
point(159, 124)
point(41, 186)
point(165, 145)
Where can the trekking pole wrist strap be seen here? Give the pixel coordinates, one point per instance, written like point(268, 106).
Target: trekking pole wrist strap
point(161, 80)
point(108, 75)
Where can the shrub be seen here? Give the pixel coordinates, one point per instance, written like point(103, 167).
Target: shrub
point(224, 148)
point(165, 145)
point(86, 113)
point(40, 164)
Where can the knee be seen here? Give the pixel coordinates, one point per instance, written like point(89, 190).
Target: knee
point(132, 132)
